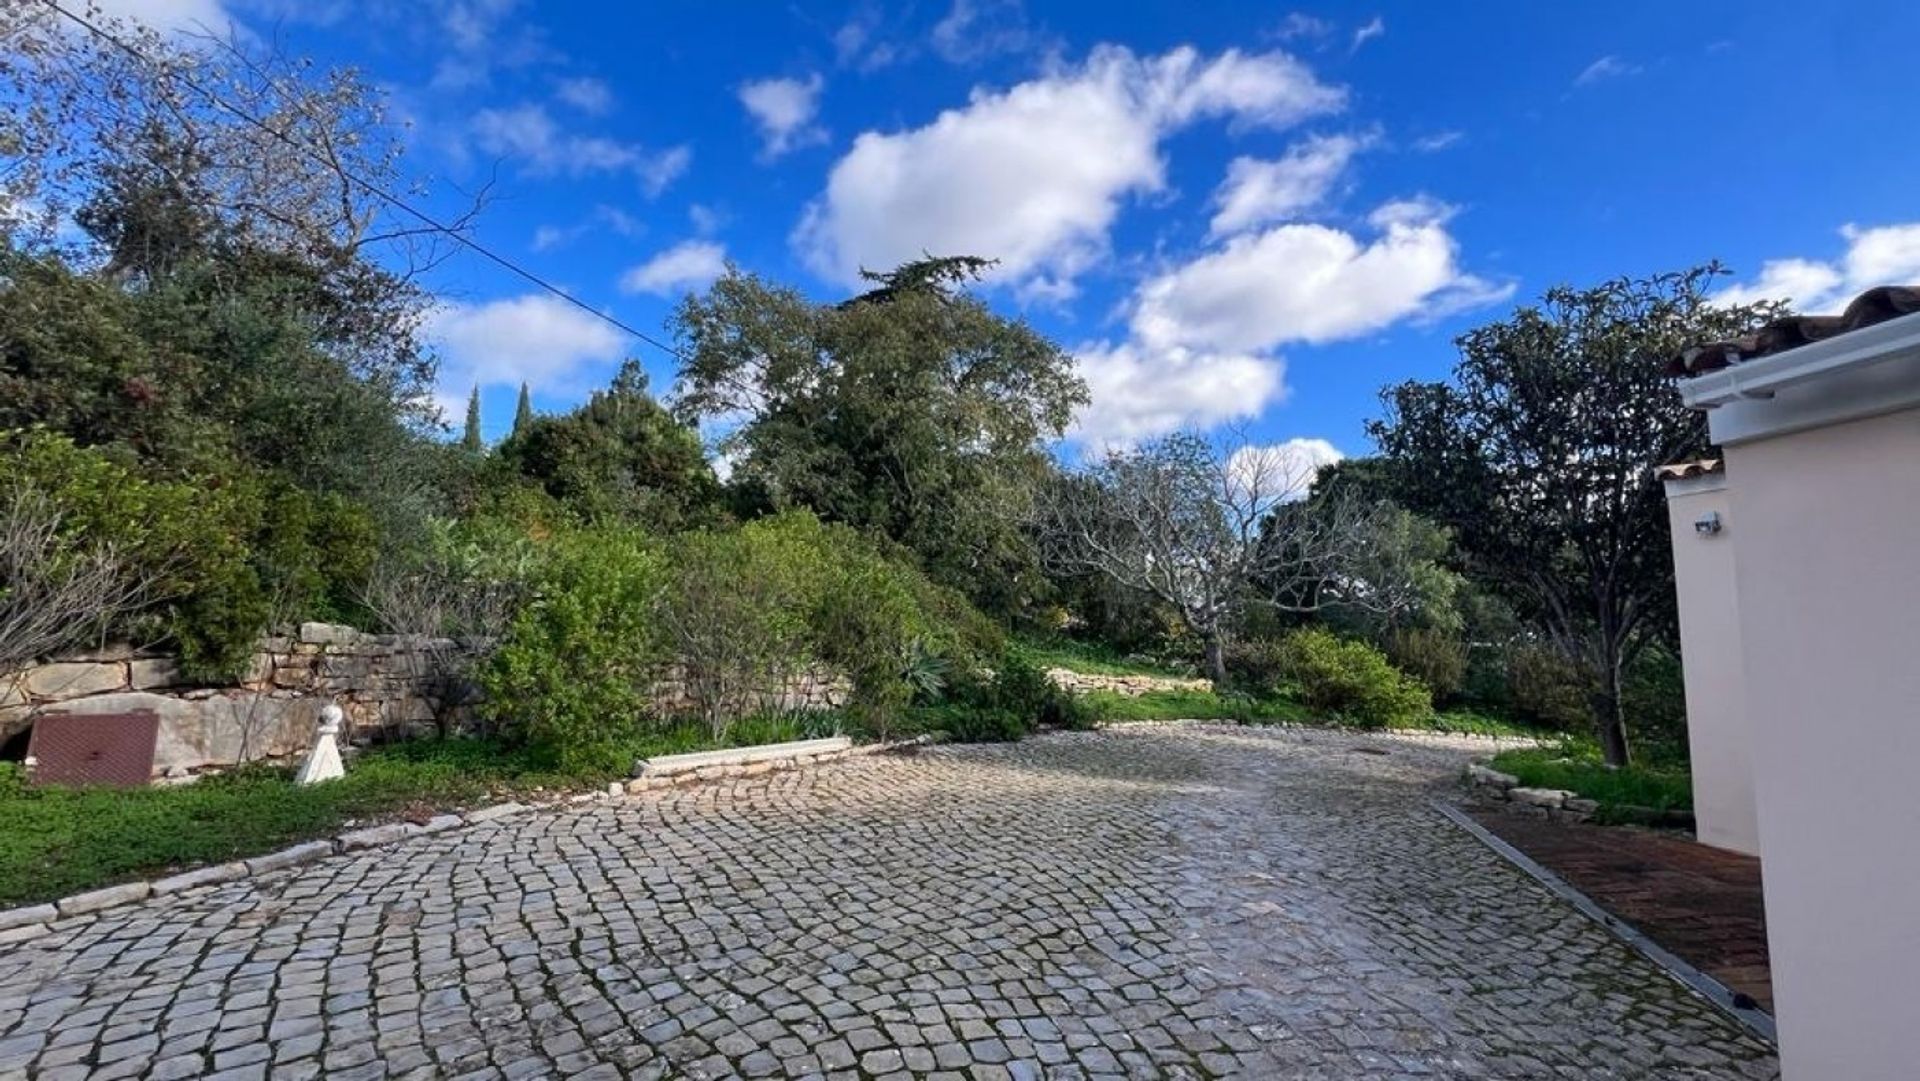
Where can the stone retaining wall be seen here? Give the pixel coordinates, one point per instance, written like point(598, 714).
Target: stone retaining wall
point(391, 686)
point(383, 682)
point(1126, 686)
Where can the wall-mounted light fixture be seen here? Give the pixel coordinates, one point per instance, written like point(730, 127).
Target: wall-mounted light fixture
point(1707, 524)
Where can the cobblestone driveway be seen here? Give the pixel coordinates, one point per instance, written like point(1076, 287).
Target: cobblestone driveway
point(1147, 902)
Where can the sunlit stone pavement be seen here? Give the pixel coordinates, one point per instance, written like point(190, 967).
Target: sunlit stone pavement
point(1180, 902)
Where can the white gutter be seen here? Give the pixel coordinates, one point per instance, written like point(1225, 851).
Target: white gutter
point(1853, 375)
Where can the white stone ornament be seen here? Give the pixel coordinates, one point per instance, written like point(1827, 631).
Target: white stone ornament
point(323, 762)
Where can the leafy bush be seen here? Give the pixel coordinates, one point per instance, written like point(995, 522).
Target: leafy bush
point(1106, 706)
point(975, 724)
point(1434, 657)
point(224, 555)
point(1257, 665)
point(1017, 697)
point(1546, 689)
point(1354, 681)
point(736, 609)
point(1654, 698)
point(578, 662)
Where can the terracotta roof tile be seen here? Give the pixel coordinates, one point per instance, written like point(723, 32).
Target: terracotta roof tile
point(1699, 467)
point(1873, 306)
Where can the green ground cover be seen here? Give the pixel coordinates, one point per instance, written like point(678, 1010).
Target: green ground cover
point(1578, 768)
point(57, 840)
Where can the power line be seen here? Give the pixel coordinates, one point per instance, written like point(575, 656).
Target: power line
point(384, 195)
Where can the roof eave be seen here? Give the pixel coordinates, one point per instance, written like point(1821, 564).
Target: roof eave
point(1872, 370)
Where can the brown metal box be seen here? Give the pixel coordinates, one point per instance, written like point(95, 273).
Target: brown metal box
point(94, 748)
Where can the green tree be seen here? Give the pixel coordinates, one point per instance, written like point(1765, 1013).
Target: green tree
point(619, 457)
point(912, 411)
point(523, 411)
point(1539, 456)
point(470, 440)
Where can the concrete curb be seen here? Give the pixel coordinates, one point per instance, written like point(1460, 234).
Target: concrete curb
point(1417, 734)
point(28, 922)
point(808, 750)
point(1753, 1019)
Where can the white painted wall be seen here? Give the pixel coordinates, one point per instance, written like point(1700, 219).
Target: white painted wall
point(1827, 521)
point(1719, 737)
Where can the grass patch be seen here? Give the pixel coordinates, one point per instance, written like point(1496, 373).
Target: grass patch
point(1095, 659)
point(57, 840)
point(1472, 722)
point(1578, 768)
point(1192, 706)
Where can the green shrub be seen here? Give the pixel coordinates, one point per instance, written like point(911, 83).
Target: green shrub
point(1546, 689)
point(1106, 706)
point(1257, 665)
point(576, 667)
point(226, 555)
point(736, 610)
point(1434, 657)
point(1354, 681)
point(749, 607)
point(1654, 699)
point(984, 725)
point(1017, 697)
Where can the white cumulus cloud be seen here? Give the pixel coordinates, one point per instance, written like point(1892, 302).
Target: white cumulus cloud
point(690, 264)
point(537, 339)
point(1138, 393)
point(1305, 282)
point(785, 110)
point(1257, 191)
point(1884, 255)
point(529, 134)
point(1034, 175)
point(1203, 335)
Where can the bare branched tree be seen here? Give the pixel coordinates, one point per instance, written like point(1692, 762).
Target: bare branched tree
point(292, 156)
point(161, 146)
point(456, 605)
point(1209, 531)
point(55, 596)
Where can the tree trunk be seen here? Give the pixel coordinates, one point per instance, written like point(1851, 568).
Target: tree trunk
point(1216, 661)
point(1609, 722)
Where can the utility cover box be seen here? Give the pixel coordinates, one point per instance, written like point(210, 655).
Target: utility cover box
point(94, 749)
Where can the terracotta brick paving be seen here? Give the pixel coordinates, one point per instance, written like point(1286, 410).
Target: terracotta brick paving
point(1702, 903)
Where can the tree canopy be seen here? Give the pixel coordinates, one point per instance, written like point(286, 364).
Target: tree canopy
point(1539, 455)
point(912, 410)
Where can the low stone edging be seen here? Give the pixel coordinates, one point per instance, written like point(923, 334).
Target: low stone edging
point(1558, 803)
point(30, 921)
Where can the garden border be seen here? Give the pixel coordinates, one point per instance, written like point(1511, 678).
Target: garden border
point(1755, 1020)
point(29, 922)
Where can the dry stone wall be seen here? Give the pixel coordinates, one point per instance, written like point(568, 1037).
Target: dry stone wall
point(388, 685)
point(1127, 686)
point(383, 682)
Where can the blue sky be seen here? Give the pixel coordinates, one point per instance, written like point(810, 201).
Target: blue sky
point(1232, 213)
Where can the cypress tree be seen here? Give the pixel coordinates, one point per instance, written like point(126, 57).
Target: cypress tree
point(471, 440)
point(523, 414)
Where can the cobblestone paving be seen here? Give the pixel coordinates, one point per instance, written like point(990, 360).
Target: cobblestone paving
point(1146, 902)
